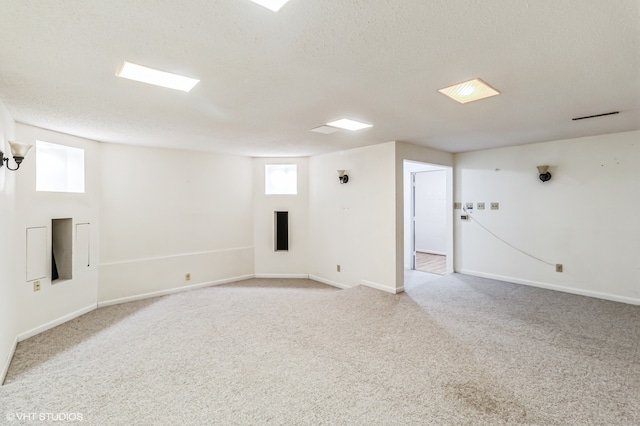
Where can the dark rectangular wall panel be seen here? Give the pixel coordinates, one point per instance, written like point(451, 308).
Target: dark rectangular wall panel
point(281, 231)
point(61, 249)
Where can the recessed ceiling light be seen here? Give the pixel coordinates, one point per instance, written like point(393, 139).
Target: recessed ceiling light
point(324, 130)
point(158, 78)
point(274, 5)
point(345, 123)
point(468, 91)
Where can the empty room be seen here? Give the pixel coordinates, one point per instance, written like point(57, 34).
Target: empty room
point(319, 212)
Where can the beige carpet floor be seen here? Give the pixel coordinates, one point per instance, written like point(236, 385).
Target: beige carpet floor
point(454, 350)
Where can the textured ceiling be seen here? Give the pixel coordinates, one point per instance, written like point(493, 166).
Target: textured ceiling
point(268, 78)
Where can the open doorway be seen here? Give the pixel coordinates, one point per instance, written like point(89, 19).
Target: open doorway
point(430, 221)
point(428, 218)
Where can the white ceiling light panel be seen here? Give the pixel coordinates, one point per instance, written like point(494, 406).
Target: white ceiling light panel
point(156, 77)
point(273, 5)
point(347, 124)
point(469, 91)
point(325, 130)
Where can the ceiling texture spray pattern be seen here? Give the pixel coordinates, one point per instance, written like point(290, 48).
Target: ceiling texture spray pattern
point(268, 78)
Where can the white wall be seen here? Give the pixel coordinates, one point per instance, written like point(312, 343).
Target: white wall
point(157, 214)
point(8, 284)
point(166, 213)
point(583, 218)
point(406, 153)
point(353, 225)
point(64, 299)
point(295, 262)
point(431, 212)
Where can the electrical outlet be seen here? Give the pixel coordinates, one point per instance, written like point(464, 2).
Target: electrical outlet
point(457, 206)
point(480, 206)
point(187, 276)
point(338, 268)
point(558, 267)
point(495, 206)
point(36, 286)
point(469, 206)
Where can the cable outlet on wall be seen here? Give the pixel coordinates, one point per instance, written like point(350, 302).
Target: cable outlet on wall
point(495, 206)
point(338, 268)
point(36, 285)
point(187, 276)
point(457, 206)
point(558, 267)
point(480, 206)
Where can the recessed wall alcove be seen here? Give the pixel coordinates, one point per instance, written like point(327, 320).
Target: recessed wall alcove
point(61, 249)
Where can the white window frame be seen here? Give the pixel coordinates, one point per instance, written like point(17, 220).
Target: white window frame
point(281, 179)
point(59, 168)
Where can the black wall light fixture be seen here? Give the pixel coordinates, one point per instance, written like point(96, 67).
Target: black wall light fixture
point(342, 176)
point(544, 173)
point(18, 151)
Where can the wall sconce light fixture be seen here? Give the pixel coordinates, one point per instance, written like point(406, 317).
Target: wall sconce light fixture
point(18, 151)
point(544, 173)
point(344, 178)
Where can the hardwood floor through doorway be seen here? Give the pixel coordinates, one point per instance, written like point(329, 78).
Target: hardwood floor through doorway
point(433, 263)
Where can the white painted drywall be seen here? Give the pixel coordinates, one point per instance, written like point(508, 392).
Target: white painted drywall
point(408, 154)
point(353, 225)
point(431, 214)
point(584, 217)
point(38, 251)
point(8, 283)
point(34, 209)
point(166, 213)
point(292, 263)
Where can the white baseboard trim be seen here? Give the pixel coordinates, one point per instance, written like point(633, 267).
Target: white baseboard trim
point(382, 287)
point(328, 282)
point(7, 363)
point(285, 276)
point(579, 292)
point(56, 322)
point(171, 291)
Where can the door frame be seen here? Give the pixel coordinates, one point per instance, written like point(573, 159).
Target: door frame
point(410, 167)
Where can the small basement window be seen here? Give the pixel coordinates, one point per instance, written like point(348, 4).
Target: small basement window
point(59, 168)
point(281, 179)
